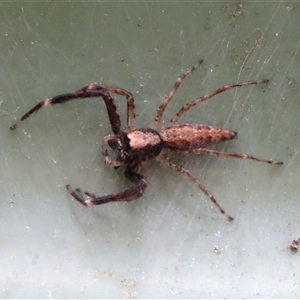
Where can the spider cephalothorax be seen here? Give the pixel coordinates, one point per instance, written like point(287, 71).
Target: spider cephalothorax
point(136, 145)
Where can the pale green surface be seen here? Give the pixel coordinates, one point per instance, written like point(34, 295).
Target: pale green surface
point(162, 245)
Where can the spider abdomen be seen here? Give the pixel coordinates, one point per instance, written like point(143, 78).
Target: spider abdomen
point(193, 136)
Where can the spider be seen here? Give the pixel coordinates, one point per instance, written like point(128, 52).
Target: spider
point(133, 146)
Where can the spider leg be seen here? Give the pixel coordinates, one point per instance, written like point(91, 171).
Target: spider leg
point(185, 171)
point(220, 90)
point(162, 107)
point(90, 91)
point(230, 154)
point(130, 102)
point(129, 194)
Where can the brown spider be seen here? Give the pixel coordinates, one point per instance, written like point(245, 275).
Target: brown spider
point(134, 145)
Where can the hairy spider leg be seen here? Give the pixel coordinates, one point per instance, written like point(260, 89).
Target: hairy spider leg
point(90, 91)
point(130, 102)
point(85, 92)
point(220, 90)
point(168, 98)
point(185, 171)
point(129, 194)
point(230, 154)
